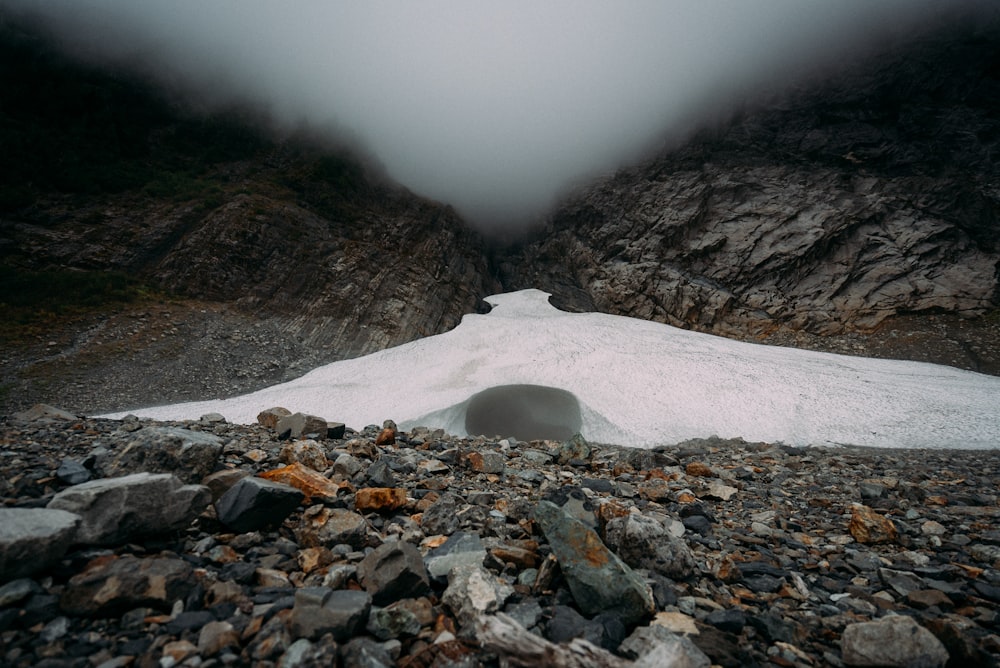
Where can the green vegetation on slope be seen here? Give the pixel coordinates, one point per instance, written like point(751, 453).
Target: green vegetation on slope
point(31, 300)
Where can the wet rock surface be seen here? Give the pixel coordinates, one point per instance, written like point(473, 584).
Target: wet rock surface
point(461, 563)
point(828, 212)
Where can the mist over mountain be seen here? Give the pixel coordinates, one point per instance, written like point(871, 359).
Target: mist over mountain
point(496, 108)
point(159, 246)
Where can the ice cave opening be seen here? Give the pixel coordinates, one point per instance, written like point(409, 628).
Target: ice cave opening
point(526, 412)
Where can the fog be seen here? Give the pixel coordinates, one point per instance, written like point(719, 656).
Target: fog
point(498, 107)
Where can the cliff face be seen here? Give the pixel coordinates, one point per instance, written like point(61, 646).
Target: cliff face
point(867, 202)
point(845, 203)
point(256, 254)
point(105, 173)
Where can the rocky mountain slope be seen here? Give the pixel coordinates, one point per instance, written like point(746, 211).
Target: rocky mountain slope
point(151, 252)
point(255, 257)
point(841, 204)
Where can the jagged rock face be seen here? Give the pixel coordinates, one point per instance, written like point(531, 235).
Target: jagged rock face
point(869, 196)
point(397, 269)
point(105, 172)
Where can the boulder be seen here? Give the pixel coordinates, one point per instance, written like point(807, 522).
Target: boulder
point(893, 640)
point(598, 579)
point(114, 586)
point(255, 503)
point(644, 542)
point(318, 610)
point(305, 452)
point(297, 425)
point(309, 481)
point(393, 571)
point(332, 526)
point(269, 417)
point(472, 592)
point(867, 526)
point(462, 548)
point(190, 455)
point(117, 510)
point(32, 539)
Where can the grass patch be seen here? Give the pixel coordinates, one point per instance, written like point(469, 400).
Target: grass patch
point(34, 300)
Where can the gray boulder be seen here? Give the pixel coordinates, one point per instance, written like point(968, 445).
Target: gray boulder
point(463, 548)
point(320, 610)
point(255, 503)
point(116, 510)
point(297, 425)
point(190, 455)
point(442, 516)
point(644, 542)
point(32, 539)
point(658, 646)
point(393, 571)
point(892, 641)
point(474, 591)
point(597, 578)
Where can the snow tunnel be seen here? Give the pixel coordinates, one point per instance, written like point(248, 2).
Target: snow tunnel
point(526, 412)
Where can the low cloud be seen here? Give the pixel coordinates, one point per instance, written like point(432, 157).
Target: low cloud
point(494, 107)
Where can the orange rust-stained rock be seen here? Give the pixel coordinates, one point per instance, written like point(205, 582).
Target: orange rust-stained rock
point(379, 499)
point(386, 437)
point(311, 558)
point(654, 489)
point(306, 480)
point(608, 511)
point(699, 469)
point(517, 555)
point(867, 526)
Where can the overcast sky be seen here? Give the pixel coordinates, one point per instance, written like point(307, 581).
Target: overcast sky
point(495, 107)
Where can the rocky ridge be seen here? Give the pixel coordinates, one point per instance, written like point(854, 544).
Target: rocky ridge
point(856, 214)
point(836, 207)
point(299, 541)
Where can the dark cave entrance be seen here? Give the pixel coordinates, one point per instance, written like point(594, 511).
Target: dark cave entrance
point(526, 412)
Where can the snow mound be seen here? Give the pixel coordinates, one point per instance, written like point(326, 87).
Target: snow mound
point(528, 370)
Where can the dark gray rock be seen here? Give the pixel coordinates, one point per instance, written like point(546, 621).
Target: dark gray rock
point(774, 628)
point(565, 623)
point(644, 542)
point(123, 584)
point(731, 620)
point(893, 640)
point(380, 474)
point(255, 503)
point(442, 517)
point(32, 539)
point(115, 510)
point(190, 455)
point(72, 472)
point(319, 610)
point(574, 448)
point(597, 578)
point(16, 591)
point(392, 622)
point(393, 571)
point(365, 653)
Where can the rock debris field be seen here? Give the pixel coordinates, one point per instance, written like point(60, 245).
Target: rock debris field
point(299, 542)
